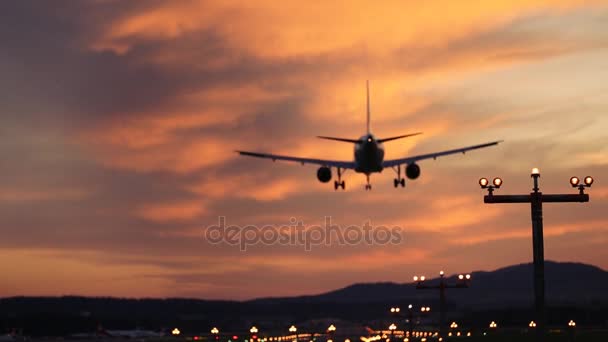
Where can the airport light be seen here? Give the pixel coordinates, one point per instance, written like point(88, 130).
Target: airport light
point(572, 324)
point(294, 330)
point(175, 332)
point(395, 310)
point(532, 324)
point(536, 199)
point(454, 325)
point(463, 282)
point(392, 328)
point(253, 330)
point(215, 331)
point(493, 325)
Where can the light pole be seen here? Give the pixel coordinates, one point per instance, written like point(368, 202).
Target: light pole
point(462, 283)
point(536, 199)
point(571, 329)
point(215, 331)
point(392, 328)
point(331, 330)
point(254, 330)
point(410, 317)
point(294, 330)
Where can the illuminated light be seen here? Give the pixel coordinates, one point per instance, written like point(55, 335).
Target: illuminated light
point(574, 181)
point(415, 278)
point(460, 276)
point(440, 339)
point(469, 334)
point(571, 323)
point(497, 182)
point(392, 327)
point(458, 333)
point(468, 276)
point(493, 324)
point(215, 330)
point(331, 328)
point(293, 329)
point(483, 182)
point(406, 340)
point(409, 306)
point(588, 180)
point(196, 337)
point(253, 330)
point(422, 278)
point(450, 334)
point(234, 337)
point(397, 309)
point(441, 273)
point(175, 332)
point(532, 324)
point(535, 172)
point(347, 340)
point(453, 325)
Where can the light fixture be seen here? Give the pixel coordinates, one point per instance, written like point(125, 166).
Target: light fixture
point(497, 182)
point(483, 182)
point(588, 180)
point(574, 181)
point(535, 172)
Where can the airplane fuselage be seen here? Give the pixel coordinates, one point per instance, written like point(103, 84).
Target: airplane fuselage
point(369, 154)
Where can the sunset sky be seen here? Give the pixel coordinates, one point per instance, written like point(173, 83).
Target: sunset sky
point(119, 121)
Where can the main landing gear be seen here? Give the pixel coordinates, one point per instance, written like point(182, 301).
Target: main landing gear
point(339, 183)
point(398, 181)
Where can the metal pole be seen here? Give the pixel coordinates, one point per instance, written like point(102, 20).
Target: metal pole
point(442, 309)
point(411, 318)
point(539, 259)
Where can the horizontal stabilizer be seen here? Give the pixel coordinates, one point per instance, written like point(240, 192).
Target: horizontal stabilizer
point(398, 137)
point(354, 141)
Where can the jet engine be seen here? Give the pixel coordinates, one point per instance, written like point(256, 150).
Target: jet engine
point(412, 171)
point(324, 174)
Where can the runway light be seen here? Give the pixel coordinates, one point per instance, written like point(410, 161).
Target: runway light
point(535, 172)
point(483, 182)
point(497, 182)
point(574, 181)
point(588, 180)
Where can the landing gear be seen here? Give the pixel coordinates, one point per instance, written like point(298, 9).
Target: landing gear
point(368, 186)
point(398, 181)
point(339, 183)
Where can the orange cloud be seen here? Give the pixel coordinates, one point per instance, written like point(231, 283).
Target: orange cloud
point(166, 212)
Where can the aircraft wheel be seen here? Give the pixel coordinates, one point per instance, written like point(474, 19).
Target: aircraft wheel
point(402, 182)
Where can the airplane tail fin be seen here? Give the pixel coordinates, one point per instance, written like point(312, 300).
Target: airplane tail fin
point(398, 137)
point(368, 110)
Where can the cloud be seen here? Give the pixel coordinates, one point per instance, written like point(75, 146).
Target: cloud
point(120, 121)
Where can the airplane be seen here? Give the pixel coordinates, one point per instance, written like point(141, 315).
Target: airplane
point(368, 157)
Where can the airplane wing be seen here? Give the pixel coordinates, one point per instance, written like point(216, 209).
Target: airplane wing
point(322, 162)
point(409, 160)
